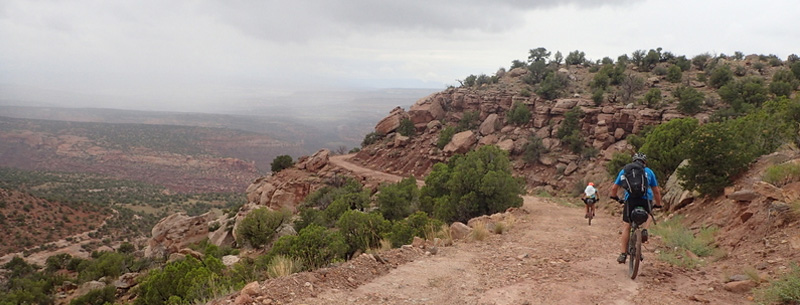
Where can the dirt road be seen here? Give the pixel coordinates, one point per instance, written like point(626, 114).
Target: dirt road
point(549, 256)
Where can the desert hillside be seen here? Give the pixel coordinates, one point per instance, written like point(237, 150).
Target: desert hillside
point(469, 196)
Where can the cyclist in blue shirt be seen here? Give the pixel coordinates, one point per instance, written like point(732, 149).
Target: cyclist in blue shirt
point(653, 193)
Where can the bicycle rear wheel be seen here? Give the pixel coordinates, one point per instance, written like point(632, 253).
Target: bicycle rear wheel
point(591, 215)
point(635, 251)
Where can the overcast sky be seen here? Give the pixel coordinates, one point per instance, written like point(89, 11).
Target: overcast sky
point(165, 55)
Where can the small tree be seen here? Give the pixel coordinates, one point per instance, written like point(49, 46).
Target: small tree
point(720, 76)
point(538, 54)
point(281, 162)
point(716, 156)
point(533, 150)
point(519, 114)
point(689, 99)
point(406, 127)
point(397, 201)
point(575, 58)
point(700, 61)
point(445, 136)
point(570, 124)
point(558, 58)
point(259, 226)
point(665, 146)
point(478, 183)
point(553, 86)
point(653, 98)
point(371, 138)
point(674, 74)
point(631, 84)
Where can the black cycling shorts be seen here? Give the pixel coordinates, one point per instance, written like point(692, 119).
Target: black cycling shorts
point(631, 204)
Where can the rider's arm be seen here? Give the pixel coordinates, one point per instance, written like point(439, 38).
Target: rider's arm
point(615, 188)
point(657, 195)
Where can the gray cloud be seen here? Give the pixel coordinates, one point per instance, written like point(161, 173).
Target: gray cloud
point(301, 21)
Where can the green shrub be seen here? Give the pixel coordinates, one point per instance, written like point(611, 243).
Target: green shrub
point(653, 98)
point(102, 296)
point(552, 87)
point(700, 61)
point(57, 262)
point(574, 142)
point(260, 225)
point(315, 246)
point(406, 127)
point(598, 96)
point(571, 123)
point(660, 70)
point(631, 83)
point(720, 76)
point(782, 174)
point(471, 185)
point(575, 58)
point(469, 121)
point(371, 138)
point(361, 230)
point(682, 62)
point(748, 90)
point(519, 114)
point(716, 156)
point(689, 99)
point(397, 201)
point(665, 146)
point(183, 281)
point(281, 162)
point(105, 264)
point(601, 79)
point(402, 232)
point(780, 88)
point(785, 290)
point(445, 136)
point(533, 150)
point(617, 162)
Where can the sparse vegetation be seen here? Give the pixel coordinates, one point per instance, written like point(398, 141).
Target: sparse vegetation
point(685, 248)
point(281, 162)
point(785, 290)
point(519, 114)
point(782, 174)
point(281, 265)
point(260, 225)
point(478, 183)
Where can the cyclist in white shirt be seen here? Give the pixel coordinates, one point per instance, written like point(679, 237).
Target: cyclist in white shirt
point(589, 198)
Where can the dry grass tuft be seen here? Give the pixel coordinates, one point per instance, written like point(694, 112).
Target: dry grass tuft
point(479, 232)
point(282, 266)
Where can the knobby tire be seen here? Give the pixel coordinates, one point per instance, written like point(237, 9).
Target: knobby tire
point(636, 254)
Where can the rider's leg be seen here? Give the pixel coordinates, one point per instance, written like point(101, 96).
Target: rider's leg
point(587, 211)
point(626, 230)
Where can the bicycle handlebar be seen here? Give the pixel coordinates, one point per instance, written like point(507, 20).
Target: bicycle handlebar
point(622, 201)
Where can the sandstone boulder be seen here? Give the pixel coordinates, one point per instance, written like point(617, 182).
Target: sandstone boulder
point(461, 142)
point(391, 122)
point(426, 110)
point(490, 124)
point(459, 230)
point(176, 232)
point(317, 161)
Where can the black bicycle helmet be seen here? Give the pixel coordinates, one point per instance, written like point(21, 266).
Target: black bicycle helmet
point(640, 157)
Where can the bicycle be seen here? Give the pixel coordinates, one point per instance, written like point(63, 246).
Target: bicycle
point(638, 217)
point(590, 202)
